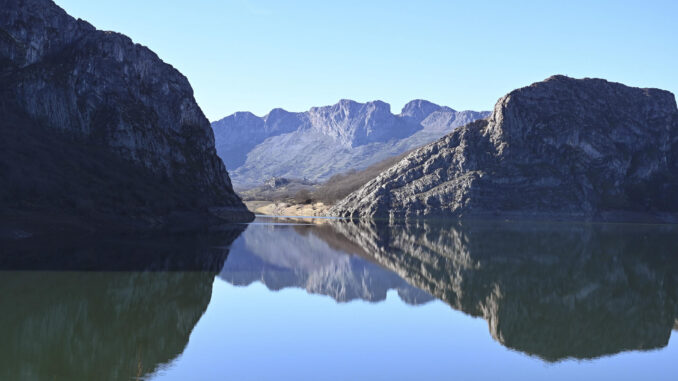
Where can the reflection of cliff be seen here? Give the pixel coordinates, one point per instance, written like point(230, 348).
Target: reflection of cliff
point(120, 252)
point(314, 258)
point(552, 290)
point(107, 325)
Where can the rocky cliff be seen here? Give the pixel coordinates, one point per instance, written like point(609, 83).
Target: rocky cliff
point(94, 124)
point(564, 148)
point(323, 141)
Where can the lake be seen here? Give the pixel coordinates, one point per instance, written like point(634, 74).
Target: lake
point(326, 299)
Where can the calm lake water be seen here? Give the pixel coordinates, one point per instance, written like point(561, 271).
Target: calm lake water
point(291, 299)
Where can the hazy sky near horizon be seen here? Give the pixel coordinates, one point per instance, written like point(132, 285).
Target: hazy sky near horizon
point(246, 55)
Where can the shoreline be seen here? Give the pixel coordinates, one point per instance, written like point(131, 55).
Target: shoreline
point(273, 208)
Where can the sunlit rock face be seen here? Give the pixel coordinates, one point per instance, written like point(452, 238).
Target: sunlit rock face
point(327, 140)
point(95, 124)
point(314, 258)
point(119, 320)
point(565, 148)
point(551, 290)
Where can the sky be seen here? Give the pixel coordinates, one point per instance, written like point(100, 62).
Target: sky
point(246, 55)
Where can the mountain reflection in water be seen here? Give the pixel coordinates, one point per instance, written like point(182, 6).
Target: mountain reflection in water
point(315, 258)
point(550, 290)
point(113, 308)
point(554, 290)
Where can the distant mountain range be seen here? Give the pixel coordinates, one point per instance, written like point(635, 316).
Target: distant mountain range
point(324, 141)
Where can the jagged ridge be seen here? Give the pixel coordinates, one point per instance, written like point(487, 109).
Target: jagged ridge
point(327, 140)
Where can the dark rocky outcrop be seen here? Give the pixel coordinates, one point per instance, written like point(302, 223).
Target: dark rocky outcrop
point(96, 126)
point(327, 140)
point(564, 148)
point(553, 290)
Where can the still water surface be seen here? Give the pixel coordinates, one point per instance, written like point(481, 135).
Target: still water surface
point(299, 300)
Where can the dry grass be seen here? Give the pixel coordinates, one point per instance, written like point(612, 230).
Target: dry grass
point(341, 185)
point(288, 209)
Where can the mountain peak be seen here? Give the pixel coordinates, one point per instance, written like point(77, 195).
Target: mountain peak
point(350, 106)
point(599, 101)
point(347, 102)
point(238, 118)
point(418, 109)
point(277, 113)
point(243, 115)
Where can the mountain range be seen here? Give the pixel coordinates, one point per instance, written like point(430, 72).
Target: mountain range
point(323, 141)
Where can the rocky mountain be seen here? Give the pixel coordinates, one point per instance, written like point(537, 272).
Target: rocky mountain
point(556, 291)
point(96, 126)
point(323, 141)
point(314, 258)
point(561, 148)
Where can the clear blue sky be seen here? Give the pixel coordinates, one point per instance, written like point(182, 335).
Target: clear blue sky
point(256, 55)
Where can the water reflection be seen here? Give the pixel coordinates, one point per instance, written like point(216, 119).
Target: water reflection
point(124, 307)
point(133, 311)
point(550, 290)
point(315, 258)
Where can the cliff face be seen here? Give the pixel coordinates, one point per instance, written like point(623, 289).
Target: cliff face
point(571, 148)
point(327, 140)
point(90, 117)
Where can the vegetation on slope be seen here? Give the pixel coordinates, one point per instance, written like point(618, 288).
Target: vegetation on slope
point(343, 184)
point(337, 187)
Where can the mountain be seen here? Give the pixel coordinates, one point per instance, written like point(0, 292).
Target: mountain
point(314, 258)
point(561, 148)
point(324, 141)
point(557, 291)
point(97, 127)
